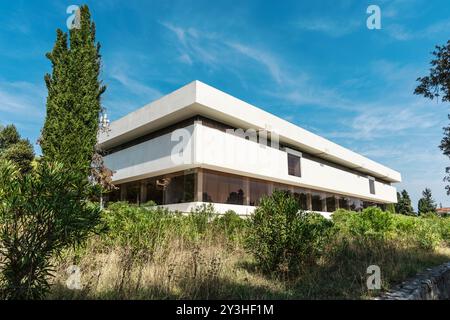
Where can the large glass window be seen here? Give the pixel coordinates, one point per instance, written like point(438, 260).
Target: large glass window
point(258, 189)
point(302, 198)
point(331, 203)
point(114, 195)
point(281, 187)
point(294, 165)
point(372, 186)
point(223, 188)
point(171, 188)
point(355, 204)
point(132, 192)
point(344, 203)
point(317, 200)
point(180, 189)
point(155, 190)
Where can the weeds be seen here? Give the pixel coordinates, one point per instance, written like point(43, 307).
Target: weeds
point(148, 253)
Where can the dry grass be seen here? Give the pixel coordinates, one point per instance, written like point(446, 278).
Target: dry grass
point(213, 269)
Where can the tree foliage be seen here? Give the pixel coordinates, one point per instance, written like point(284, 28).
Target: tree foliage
point(403, 205)
point(426, 203)
point(40, 214)
point(437, 85)
point(282, 237)
point(14, 148)
point(74, 107)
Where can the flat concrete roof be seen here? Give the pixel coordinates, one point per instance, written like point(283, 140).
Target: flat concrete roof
point(198, 98)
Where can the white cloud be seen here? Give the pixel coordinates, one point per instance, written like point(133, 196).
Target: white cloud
point(185, 58)
point(261, 57)
point(22, 99)
point(399, 32)
point(331, 27)
point(381, 122)
point(133, 85)
point(193, 45)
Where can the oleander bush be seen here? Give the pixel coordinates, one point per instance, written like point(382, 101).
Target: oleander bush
point(282, 237)
point(42, 212)
point(231, 225)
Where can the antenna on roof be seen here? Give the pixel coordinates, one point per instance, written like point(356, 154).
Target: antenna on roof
point(104, 121)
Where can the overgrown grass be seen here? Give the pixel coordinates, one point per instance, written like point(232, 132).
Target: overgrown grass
point(148, 253)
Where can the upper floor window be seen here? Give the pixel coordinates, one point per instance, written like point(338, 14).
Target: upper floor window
point(372, 185)
point(294, 168)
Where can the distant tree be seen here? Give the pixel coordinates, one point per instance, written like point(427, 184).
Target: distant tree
point(74, 107)
point(437, 85)
point(404, 203)
point(390, 208)
point(426, 203)
point(399, 199)
point(13, 148)
point(8, 136)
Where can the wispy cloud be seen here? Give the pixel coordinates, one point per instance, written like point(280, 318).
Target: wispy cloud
point(385, 122)
point(133, 85)
point(331, 27)
point(400, 32)
point(193, 47)
point(22, 98)
point(261, 57)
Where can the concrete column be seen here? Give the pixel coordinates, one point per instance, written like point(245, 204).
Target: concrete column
point(324, 203)
point(246, 191)
point(143, 193)
point(199, 186)
point(123, 192)
point(336, 201)
point(308, 201)
point(270, 188)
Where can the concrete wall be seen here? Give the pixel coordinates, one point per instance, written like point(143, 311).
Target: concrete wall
point(432, 284)
point(199, 98)
point(214, 149)
point(220, 208)
point(147, 159)
point(226, 152)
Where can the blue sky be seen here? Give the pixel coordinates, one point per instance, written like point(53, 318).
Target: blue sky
point(314, 63)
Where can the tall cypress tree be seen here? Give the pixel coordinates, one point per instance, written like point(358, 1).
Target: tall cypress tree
point(70, 131)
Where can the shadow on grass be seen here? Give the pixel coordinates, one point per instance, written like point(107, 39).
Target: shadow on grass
point(207, 290)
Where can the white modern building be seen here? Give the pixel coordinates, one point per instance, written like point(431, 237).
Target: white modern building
point(200, 145)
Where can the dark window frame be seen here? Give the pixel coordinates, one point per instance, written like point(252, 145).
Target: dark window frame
point(372, 185)
point(294, 169)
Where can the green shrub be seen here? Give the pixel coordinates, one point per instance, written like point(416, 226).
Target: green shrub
point(444, 229)
point(281, 237)
point(390, 207)
point(42, 213)
point(200, 218)
point(427, 234)
point(231, 224)
point(140, 228)
point(371, 223)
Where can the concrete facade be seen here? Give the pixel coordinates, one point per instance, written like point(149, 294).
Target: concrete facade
point(328, 166)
